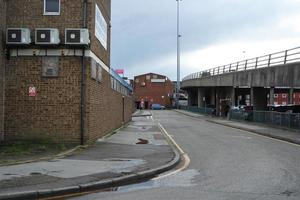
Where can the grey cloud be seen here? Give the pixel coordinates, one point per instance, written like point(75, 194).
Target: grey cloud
point(145, 30)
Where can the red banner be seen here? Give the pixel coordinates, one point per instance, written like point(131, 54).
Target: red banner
point(119, 71)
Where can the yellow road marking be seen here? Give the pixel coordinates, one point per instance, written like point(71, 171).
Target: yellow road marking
point(185, 158)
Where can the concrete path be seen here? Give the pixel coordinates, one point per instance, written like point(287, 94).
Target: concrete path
point(134, 152)
point(265, 130)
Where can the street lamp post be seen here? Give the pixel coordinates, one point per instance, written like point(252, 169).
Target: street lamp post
point(178, 54)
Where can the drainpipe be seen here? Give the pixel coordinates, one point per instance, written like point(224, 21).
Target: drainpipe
point(82, 84)
point(123, 110)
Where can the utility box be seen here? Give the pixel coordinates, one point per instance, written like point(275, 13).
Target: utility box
point(18, 36)
point(47, 36)
point(77, 36)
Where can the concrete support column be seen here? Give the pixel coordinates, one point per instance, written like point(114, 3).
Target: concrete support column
point(212, 96)
point(218, 97)
point(272, 92)
point(291, 96)
point(251, 96)
point(190, 98)
point(201, 96)
point(260, 100)
point(233, 96)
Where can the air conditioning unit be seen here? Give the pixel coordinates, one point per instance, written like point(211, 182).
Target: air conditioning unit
point(77, 36)
point(18, 36)
point(47, 36)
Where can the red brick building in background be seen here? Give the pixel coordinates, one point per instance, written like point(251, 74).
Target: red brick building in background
point(153, 88)
point(296, 98)
point(283, 99)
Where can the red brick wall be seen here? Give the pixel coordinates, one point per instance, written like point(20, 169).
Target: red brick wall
point(29, 14)
point(55, 112)
point(104, 107)
point(153, 92)
point(281, 98)
point(296, 98)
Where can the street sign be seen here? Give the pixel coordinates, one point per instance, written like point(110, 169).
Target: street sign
point(32, 91)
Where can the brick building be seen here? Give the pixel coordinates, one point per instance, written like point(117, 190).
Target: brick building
point(281, 99)
point(153, 88)
point(61, 88)
point(296, 98)
point(284, 98)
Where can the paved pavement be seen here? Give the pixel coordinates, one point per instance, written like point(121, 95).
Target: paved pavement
point(277, 133)
point(226, 164)
point(134, 152)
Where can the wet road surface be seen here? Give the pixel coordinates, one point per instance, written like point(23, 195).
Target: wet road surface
point(226, 163)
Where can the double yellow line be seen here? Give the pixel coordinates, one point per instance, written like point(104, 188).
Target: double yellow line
point(185, 160)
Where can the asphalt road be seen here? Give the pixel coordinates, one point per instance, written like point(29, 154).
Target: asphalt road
point(226, 163)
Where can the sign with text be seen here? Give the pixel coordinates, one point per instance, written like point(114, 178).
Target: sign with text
point(32, 91)
point(100, 27)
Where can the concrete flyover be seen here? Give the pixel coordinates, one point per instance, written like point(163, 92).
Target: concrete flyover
point(253, 82)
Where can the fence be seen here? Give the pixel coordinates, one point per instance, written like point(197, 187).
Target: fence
point(288, 120)
point(278, 58)
point(195, 109)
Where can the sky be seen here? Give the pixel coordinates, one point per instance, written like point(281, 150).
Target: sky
point(214, 33)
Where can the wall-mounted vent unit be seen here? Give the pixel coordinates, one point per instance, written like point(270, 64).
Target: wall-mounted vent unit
point(47, 36)
point(77, 36)
point(18, 36)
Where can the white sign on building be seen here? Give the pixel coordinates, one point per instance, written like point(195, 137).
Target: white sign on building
point(100, 27)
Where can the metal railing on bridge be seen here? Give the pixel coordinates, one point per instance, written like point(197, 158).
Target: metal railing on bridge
point(278, 58)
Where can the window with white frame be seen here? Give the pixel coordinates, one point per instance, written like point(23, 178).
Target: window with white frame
point(51, 7)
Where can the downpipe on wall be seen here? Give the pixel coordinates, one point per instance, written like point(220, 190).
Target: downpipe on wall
point(83, 80)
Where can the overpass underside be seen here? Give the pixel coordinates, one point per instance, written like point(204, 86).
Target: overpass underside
point(224, 98)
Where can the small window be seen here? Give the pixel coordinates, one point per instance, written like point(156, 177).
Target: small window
point(275, 95)
point(284, 95)
point(148, 77)
point(51, 7)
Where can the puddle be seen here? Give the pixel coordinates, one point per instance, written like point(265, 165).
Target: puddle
point(181, 179)
point(142, 141)
point(10, 174)
point(35, 173)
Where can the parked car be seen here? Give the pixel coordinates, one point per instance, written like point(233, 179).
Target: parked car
point(157, 106)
